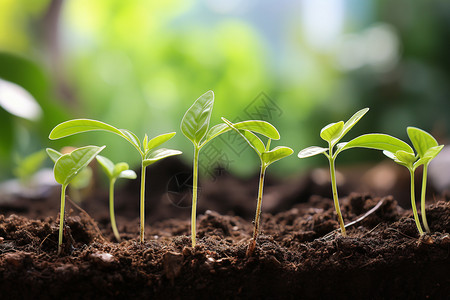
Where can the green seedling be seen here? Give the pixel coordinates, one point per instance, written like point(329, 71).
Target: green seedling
point(427, 149)
point(114, 171)
point(267, 157)
point(334, 132)
point(26, 167)
point(195, 126)
point(148, 152)
point(67, 166)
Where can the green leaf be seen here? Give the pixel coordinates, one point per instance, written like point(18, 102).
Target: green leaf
point(119, 168)
point(82, 179)
point(249, 137)
point(84, 125)
point(128, 174)
point(70, 164)
point(53, 154)
point(195, 122)
point(132, 138)
point(106, 164)
point(159, 140)
point(378, 141)
point(352, 121)
point(402, 158)
point(332, 132)
point(421, 140)
point(257, 126)
point(405, 158)
point(29, 165)
point(275, 154)
point(311, 151)
point(428, 156)
point(154, 156)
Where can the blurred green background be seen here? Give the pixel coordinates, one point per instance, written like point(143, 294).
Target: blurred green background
point(298, 64)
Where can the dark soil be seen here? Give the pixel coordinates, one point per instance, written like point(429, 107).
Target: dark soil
point(299, 255)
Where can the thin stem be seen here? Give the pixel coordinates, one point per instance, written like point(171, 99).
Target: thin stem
point(422, 201)
point(141, 235)
point(194, 196)
point(61, 217)
point(252, 245)
point(413, 203)
point(111, 209)
point(335, 195)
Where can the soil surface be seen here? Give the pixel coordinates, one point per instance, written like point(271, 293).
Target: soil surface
point(299, 255)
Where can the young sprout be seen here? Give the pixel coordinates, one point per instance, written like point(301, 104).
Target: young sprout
point(427, 149)
point(114, 171)
point(27, 166)
point(195, 124)
point(332, 134)
point(67, 166)
point(267, 157)
point(148, 152)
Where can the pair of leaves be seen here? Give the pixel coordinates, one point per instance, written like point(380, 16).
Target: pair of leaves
point(333, 133)
point(114, 171)
point(195, 123)
point(69, 165)
point(426, 146)
point(148, 153)
point(267, 156)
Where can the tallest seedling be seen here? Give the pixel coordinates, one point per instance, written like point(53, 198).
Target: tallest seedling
point(195, 126)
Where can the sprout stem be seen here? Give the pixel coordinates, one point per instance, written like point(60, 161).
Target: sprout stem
point(335, 195)
point(194, 196)
point(413, 203)
point(422, 202)
point(111, 209)
point(61, 217)
point(141, 235)
point(252, 245)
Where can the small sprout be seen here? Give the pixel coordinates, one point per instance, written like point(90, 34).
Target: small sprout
point(333, 133)
point(147, 151)
point(28, 166)
point(114, 171)
point(267, 157)
point(195, 126)
point(427, 149)
point(67, 166)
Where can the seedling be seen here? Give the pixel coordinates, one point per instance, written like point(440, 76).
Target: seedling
point(427, 149)
point(26, 167)
point(114, 171)
point(194, 126)
point(67, 166)
point(149, 153)
point(267, 157)
point(334, 132)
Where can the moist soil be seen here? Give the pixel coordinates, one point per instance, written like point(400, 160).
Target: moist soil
point(300, 253)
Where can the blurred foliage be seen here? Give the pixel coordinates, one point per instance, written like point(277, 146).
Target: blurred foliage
point(140, 64)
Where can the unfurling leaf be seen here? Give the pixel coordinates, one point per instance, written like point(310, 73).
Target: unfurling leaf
point(275, 154)
point(156, 155)
point(195, 122)
point(69, 165)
